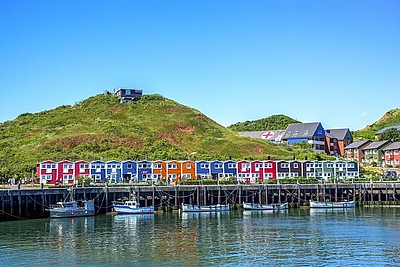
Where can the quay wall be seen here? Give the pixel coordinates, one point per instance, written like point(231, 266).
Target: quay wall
point(26, 203)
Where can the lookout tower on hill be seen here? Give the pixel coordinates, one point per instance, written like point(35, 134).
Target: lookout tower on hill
point(128, 95)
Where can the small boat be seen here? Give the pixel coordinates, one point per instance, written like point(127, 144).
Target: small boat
point(331, 205)
point(131, 207)
point(71, 208)
point(256, 206)
point(204, 208)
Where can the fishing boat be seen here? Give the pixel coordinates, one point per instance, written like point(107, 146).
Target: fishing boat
point(256, 206)
point(66, 209)
point(131, 207)
point(331, 205)
point(204, 208)
point(70, 207)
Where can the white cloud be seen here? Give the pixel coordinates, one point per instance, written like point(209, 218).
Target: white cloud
point(363, 114)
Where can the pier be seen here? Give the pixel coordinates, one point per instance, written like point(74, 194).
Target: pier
point(26, 203)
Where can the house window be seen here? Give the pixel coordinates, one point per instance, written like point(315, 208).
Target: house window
point(268, 165)
point(129, 166)
point(231, 165)
point(127, 92)
point(350, 165)
point(295, 165)
point(218, 166)
point(171, 166)
point(204, 165)
point(329, 165)
point(284, 165)
point(396, 152)
point(188, 166)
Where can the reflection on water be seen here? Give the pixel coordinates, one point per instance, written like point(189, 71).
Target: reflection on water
point(335, 211)
point(351, 237)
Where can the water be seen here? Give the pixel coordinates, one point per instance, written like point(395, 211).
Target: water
point(298, 237)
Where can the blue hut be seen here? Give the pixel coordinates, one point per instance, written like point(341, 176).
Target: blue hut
point(230, 168)
point(144, 171)
point(113, 171)
point(98, 171)
point(217, 169)
point(129, 171)
point(202, 169)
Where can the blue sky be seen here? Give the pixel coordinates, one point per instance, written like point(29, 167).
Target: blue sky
point(337, 62)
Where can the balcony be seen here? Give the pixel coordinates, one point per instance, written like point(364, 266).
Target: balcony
point(314, 142)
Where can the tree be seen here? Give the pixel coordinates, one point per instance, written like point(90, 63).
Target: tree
point(390, 134)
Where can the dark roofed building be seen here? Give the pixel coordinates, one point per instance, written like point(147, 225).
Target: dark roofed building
point(127, 95)
point(337, 140)
point(373, 152)
point(392, 154)
point(354, 151)
point(312, 133)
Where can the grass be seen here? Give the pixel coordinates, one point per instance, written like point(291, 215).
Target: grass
point(102, 128)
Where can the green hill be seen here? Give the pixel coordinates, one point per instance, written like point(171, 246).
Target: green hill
point(274, 122)
point(390, 118)
point(102, 128)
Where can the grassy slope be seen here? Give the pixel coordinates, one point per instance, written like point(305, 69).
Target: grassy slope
point(102, 128)
point(390, 118)
point(274, 122)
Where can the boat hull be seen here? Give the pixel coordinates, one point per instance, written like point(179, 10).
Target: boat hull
point(255, 206)
point(121, 209)
point(73, 210)
point(210, 208)
point(332, 205)
point(62, 213)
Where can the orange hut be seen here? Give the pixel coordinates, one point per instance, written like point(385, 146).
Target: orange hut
point(160, 170)
point(174, 171)
point(188, 170)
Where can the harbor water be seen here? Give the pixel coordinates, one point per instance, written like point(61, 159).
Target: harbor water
point(297, 237)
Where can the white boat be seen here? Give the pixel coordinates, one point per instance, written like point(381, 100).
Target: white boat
point(256, 206)
point(131, 207)
point(331, 205)
point(204, 208)
point(72, 209)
